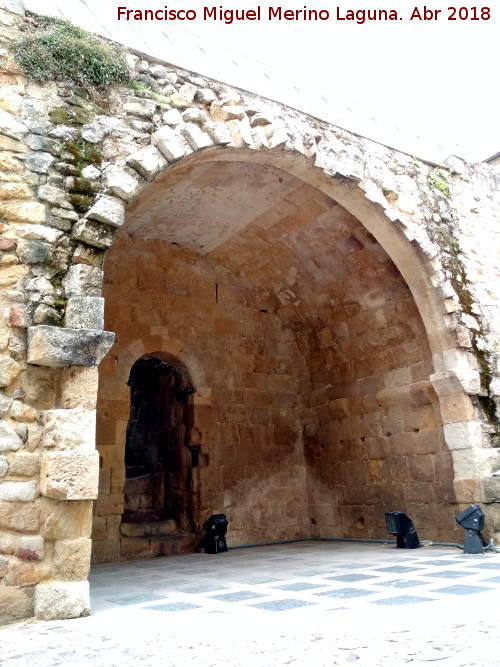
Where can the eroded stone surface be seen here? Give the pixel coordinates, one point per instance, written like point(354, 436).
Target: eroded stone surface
point(62, 600)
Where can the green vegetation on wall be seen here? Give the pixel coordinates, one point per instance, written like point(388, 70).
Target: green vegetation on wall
point(56, 50)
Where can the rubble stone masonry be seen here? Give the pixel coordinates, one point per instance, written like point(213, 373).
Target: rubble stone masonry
point(332, 302)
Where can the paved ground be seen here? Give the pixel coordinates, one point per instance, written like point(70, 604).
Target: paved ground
point(301, 604)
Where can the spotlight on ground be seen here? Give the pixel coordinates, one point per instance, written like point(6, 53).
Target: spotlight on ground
point(216, 527)
point(402, 526)
point(472, 521)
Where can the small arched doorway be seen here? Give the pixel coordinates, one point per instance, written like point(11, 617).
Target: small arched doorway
point(158, 482)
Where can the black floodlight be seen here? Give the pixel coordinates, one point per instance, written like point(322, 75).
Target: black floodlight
point(216, 527)
point(472, 521)
point(402, 526)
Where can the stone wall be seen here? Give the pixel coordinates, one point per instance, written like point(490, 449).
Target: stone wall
point(334, 301)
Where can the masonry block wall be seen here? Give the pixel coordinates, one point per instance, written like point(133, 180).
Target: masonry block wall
point(337, 314)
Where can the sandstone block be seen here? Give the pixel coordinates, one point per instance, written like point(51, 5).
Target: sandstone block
point(69, 430)
point(85, 312)
point(147, 161)
point(15, 603)
point(121, 182)
point(221, 113)
point(463, 435)
point(169, 143)
point(57, 347)
point(69, 475)
point(23, 413)
point(13, 492)
point(196, 137)
point(474, 463)
point(339, 408)
point(31, 547)
point(57, 600)
point(9, 440)
point(11, 126)
point(65, 520)
point(23, 573)
point(71, 559)
point(79, 387)
point(25, 464)
point(21, 211)
point(456, 408)
point(20, 516)
point(110, 210)
point(95, 234)
point(9, 370)
point(15, 191)
point(83, 280)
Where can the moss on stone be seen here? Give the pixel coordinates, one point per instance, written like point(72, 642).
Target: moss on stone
point(81, 203)
point(82, 186)
point(59, 116)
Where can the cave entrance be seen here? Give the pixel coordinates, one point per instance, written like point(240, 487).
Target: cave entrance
point(157, 491)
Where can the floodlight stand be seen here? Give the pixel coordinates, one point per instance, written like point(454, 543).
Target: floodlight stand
point(473, 543)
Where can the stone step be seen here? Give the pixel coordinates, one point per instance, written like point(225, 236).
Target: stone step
point(149, 529)
point(159, 545)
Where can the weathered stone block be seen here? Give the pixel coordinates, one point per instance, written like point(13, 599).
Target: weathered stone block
point(463, 435)
point(339, 408)
point(83, 280)
point(54, 346)
point(13, 492)
point(144, 108)
point(219, 133)
point(54, 196)
point(474, 463)
point(79, 387)
point(57, 600)
point(147, 161)
point(69, 475)
point(4, 466)
point(31, 547)
point(11, 126)
point(85, 312)
point(69, 430)
point(71, 559)
point(9, 440)
point(39, 162)
point(121, 182)
point(456, 408)
point(195, 137)
point(169, 143)
point(95, 234)
point(9, 370)
point(65, 520)
point(25, 464)
point(23, 413)
point(110, 210)
point(15, 603)
point(34, 252)
point(19, 516)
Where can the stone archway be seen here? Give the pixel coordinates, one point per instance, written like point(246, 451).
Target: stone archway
point(322, 415)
